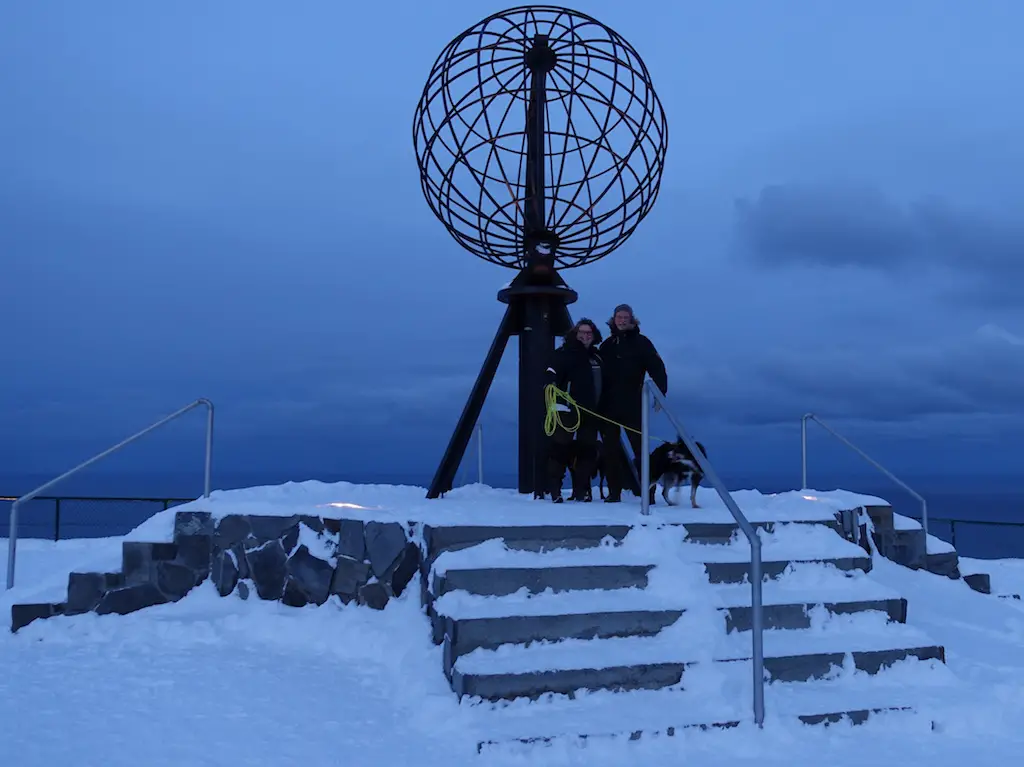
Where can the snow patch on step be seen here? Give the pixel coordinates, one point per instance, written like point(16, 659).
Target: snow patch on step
point(674, 585)
point(714, 693)
point(651, 545)
point(695, 637)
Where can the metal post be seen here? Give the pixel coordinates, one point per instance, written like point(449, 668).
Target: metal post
point(480, 453)
point(757, 627)
point(803, 450)
point(56, 519)
point(924, 523)
point(645, 450)
point(12, 543)
point(209, 448)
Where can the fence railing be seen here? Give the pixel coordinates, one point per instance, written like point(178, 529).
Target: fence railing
point(78, 513)
point(954, 521)
point(12, 528)
point(63, 517)
point(756, 578)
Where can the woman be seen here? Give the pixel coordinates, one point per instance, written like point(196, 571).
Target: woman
point(576, 369)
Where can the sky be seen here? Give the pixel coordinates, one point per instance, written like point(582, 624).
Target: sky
point(222, 200)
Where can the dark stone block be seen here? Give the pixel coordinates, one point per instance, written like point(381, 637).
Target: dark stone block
point(980, 582)
point(313, 523)
point(385, 543)
point(193, 523)
point(194, 552)
point(85, 590)
point(349, 576)
point(293, 596)
point(905, 547)
point(290, 538)
point(881, 517)
point(138, 559)
point(404, 569)
point(310, 576)
point(374, 596)
point(232, 530)
point(175, 580)
point(240, 562)
point(947, 564)
point(350, 539)
point(224, 572)
point(333, 526)
point(270, 528)
point(130, 599)
point(251, 543)
point(267, 569)
point(22, 615)
point(243, 590)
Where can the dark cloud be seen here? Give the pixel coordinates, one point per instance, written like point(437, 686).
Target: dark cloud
point(841, 226)
point(967, 377)
point(833, 225)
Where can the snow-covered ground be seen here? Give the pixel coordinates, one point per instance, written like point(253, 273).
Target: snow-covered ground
point(211, 681)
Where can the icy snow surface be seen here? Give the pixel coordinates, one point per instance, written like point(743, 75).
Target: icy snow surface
point(212, 681)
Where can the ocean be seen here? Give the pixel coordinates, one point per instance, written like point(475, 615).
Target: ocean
point(990, 515)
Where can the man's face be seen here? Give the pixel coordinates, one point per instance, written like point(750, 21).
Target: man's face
point(623, 319)
point(585, 334)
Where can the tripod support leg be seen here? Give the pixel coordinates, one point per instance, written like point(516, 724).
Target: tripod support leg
point(444, 478)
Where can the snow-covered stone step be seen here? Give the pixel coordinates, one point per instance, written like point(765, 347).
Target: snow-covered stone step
point(502, 581)
point(629, 663)
point(697, 525)
point(673, 586)
point(716, 694)
point(493, 569)
point(467, 622)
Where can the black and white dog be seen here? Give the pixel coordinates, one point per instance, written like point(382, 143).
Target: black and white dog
point(674, 465)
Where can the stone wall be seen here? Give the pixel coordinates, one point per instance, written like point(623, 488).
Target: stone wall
point(298, 560)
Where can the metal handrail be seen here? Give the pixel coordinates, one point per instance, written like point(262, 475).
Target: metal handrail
point(12, 544)
point(757, 639)
point(803, 450)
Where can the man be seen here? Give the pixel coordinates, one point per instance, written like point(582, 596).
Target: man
point(628, 357)
point(576, 369)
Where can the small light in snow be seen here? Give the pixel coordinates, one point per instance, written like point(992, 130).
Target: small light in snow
point(345, 505)
point(810, 498)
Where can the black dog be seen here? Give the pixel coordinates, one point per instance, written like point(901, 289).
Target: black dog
point(674, 465)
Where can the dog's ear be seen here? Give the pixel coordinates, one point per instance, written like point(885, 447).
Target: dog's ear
point(701, 448)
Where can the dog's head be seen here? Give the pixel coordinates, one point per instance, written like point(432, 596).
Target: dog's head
point(679, 454)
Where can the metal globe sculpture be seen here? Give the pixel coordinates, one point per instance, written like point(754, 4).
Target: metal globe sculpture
point(541, 143)
point(599, 137)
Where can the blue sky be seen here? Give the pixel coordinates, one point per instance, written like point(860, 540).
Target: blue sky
point(221, 200)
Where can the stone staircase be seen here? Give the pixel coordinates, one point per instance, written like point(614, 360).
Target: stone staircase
point(663, 610)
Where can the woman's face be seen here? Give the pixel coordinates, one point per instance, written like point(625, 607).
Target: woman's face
point(585, 334)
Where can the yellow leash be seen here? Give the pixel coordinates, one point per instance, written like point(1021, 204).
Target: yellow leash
point(553, 416)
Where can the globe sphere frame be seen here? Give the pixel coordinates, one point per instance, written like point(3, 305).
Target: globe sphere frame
point(597, 143)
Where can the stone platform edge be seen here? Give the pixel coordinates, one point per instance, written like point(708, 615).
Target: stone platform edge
point(354, 561)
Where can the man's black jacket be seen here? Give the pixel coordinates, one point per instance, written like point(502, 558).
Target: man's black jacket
point(628, 356)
